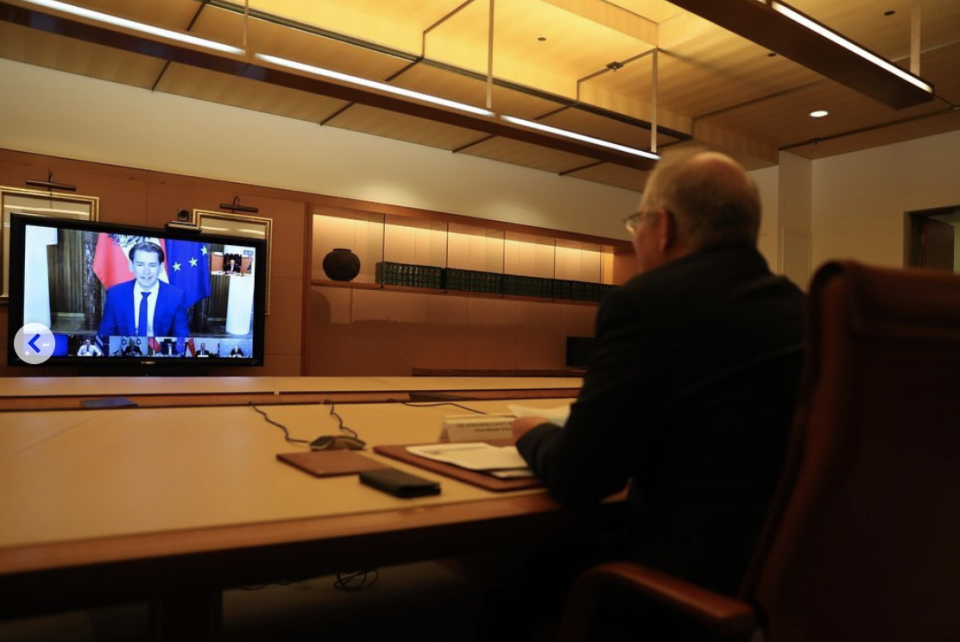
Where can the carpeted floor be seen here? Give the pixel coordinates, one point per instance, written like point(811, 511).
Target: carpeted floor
point(424, 601)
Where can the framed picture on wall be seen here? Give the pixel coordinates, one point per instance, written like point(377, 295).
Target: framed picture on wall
point(15, 200)
point(240, 225)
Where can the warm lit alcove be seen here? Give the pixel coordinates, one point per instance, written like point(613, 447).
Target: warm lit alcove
point(368, 327)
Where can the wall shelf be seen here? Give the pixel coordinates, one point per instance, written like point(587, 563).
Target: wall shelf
point(352, 285)
point(453, 244)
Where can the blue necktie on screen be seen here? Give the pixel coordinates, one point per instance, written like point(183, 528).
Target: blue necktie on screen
point(142, 324)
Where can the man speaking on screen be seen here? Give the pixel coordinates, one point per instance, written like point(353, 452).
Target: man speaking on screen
point(145, 305)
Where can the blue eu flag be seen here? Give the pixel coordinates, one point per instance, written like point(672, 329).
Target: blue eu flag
point(188, 268)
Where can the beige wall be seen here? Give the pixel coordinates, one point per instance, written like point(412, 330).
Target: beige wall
point(768, 181)
point(859, 200)
point(60, 114)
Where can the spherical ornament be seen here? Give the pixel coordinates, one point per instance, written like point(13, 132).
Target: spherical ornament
point(341, 265)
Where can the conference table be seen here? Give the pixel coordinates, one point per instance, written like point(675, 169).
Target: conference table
point(175, 502)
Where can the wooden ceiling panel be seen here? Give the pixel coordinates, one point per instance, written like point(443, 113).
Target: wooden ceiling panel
point(940, 22)
point(658, 11)
point(397, 23)
point(535, 44)
point(588, 124)
point(785, 120)
point(521, 104)
point(441, 82)
point(550, 60)
point(866, 22)
point(749, 161)
point(411, 129)
point(940, 67)
point(302, 46)
point(520, 153)
point(510, 100)
point(607, 174)
point(942, 121)
point(707, 74)
point(201, 84)
point(169, 14)
point(77, 57)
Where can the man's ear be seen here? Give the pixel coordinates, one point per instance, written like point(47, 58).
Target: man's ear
point(666, 229)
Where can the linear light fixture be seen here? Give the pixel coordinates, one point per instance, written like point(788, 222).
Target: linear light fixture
point(531, 124)
point(782, 29)
point(235, 206)
point(51, 185)
point(833, 36)
point(135, 26)
point(372, 84)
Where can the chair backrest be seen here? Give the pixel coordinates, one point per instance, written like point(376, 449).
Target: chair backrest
point(864, 539)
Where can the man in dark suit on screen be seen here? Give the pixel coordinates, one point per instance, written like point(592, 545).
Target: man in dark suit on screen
point(145, 305)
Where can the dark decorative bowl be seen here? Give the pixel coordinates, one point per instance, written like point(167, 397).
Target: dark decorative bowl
point(341, 265)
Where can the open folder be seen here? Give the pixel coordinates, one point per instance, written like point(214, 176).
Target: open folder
point(498, 482)
point(481, 456)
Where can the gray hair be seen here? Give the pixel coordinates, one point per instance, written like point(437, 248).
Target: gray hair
point(710, 195)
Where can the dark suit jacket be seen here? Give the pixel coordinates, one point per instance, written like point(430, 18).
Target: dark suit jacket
point(169, 315)
point(689, 395)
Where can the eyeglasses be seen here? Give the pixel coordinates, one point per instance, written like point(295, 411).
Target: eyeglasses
point(632, 222)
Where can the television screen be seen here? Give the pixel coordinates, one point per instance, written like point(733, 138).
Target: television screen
point(113, 294)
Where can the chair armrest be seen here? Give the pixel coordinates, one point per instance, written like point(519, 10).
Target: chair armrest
point(725, 615)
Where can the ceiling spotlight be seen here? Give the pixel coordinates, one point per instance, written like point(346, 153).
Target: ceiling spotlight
point(819, 113)
point(613, 66)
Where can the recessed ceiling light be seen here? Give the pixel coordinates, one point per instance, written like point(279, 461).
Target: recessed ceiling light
point(889, 13)
point(819, 113)
point(542, 38)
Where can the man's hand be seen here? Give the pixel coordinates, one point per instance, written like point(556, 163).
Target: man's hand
point(523, 425)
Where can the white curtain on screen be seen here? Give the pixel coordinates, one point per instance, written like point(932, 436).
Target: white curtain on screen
point(36, 280)
point(240, 297)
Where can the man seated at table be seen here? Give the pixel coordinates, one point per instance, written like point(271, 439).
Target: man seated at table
point(133, 348)
point(690, 391)
point(89, 349)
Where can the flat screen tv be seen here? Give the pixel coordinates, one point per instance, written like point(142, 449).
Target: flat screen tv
point(85, 281)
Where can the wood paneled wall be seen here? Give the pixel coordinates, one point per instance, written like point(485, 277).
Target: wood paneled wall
point(139, 197)
point(317, 330)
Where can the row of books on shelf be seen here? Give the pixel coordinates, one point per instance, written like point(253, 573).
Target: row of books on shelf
point(428, 276)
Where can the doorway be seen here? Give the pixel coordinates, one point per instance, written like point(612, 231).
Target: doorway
point(935, 238)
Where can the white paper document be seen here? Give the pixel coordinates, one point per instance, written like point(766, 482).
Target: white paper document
point(472, 455)
point(476, 427)
point(556, 415)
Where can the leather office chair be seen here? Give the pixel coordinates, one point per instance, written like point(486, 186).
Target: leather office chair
point(863, 542)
